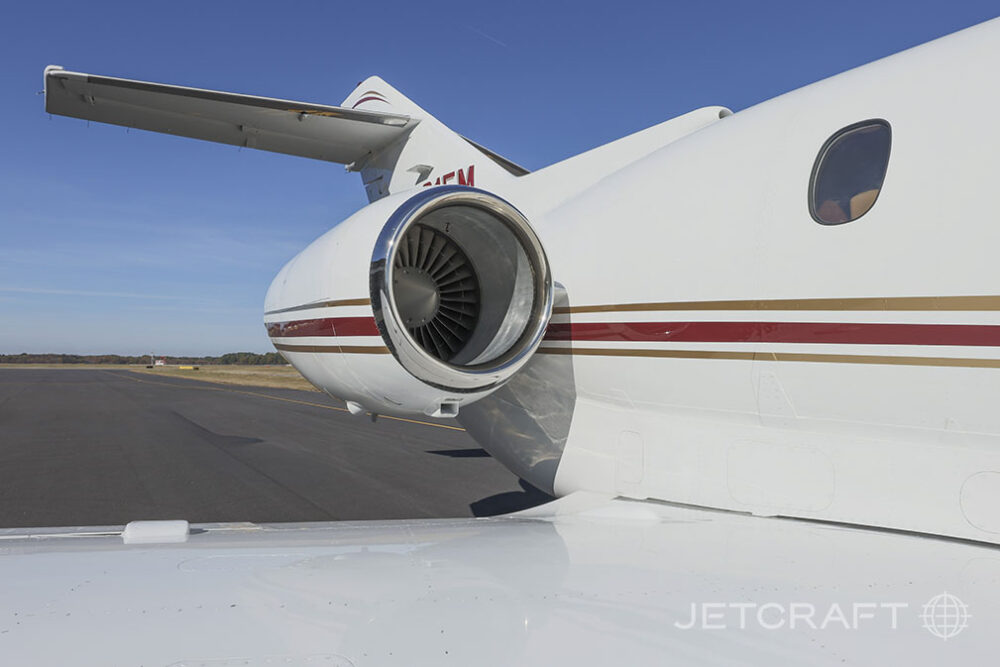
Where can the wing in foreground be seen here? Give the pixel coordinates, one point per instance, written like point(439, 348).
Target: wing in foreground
point(579, 581)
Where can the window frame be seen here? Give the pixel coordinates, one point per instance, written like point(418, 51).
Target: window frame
point(825, 149)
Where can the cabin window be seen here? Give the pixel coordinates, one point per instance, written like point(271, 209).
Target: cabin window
point(848, 173)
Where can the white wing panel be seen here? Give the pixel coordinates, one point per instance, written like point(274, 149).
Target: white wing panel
point(331, 133)
point(581, 581)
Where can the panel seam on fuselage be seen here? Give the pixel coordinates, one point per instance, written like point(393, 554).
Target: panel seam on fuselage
point(897, 303)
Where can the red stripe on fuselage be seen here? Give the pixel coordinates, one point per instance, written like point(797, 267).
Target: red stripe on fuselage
point(832, 333)
point(327, 326)
point(778, 332)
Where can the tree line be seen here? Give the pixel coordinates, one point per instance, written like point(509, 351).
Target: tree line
point(230, 359)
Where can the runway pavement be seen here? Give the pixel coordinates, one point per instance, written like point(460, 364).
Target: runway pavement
point(104, 447)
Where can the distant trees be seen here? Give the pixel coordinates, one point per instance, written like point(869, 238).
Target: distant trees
point(250, 359)
point(24, 358)
point(230, 359)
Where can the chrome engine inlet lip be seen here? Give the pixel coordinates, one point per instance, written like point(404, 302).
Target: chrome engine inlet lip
point(420, 364)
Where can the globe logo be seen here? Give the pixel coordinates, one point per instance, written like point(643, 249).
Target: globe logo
point(945, 616)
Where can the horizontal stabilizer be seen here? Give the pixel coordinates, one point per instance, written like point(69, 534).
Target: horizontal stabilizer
point(331, 133)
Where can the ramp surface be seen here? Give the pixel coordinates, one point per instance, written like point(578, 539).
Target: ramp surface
point(102, 447)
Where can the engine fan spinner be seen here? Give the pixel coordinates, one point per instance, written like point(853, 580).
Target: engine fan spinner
point(437, 291)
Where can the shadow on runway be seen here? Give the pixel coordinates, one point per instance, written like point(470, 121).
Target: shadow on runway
point(510, 501)
point(474, 453)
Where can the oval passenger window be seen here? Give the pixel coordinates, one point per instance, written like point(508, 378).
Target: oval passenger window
point(849, 171)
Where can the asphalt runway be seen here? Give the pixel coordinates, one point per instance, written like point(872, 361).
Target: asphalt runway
point(105, 447)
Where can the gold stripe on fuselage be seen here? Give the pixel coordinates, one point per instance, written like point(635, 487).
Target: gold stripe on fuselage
point(888, 360)
point(339, 349)
point(321, 304)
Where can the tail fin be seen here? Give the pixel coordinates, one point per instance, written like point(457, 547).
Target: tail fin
point(428, 154)
point(395, 144)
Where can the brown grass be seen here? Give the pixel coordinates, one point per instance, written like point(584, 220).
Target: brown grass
point(280, 377)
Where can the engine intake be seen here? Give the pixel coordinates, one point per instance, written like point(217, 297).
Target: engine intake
point(461, 288)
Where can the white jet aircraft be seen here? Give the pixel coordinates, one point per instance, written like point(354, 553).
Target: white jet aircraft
point(757, 355)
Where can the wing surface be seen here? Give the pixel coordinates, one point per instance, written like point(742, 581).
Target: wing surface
point(321, 132)
point(580, 581)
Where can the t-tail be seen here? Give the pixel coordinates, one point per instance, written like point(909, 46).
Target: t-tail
point(377, 131)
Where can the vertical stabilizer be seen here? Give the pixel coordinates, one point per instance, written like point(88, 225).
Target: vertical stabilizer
point(427, 155)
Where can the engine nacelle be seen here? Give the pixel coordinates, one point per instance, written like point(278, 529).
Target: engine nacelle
point(417, 304)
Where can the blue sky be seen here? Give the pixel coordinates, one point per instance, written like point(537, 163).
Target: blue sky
point(131, 243)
